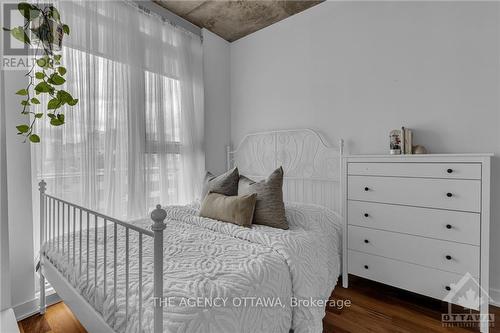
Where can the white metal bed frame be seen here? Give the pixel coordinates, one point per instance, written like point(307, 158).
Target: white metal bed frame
point(313, 175)
point(54, 222)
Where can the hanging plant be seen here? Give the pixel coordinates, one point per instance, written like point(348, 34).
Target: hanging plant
point(44, 31)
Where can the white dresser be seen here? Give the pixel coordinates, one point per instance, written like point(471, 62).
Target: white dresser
point(420, 223)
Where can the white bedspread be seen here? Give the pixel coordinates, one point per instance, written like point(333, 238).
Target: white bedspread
point(260, 273)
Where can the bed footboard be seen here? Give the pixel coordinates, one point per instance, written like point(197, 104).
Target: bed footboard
point(61, 222)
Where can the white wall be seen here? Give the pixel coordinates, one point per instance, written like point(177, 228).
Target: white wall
point(356, 70)
point(16, 220)
point(217, 101)
point(5, 296)
point(19, 187)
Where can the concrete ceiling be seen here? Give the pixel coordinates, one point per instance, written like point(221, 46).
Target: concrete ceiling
point(233, 19)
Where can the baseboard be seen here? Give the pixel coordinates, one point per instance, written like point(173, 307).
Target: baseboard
point(32, 307)
point(8, 321)
point(495, 297)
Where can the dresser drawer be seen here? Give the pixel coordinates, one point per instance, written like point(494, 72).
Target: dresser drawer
point(448, 256)
point(454, 194)
point(423, 280)
point(423, 170)
point(463, 227)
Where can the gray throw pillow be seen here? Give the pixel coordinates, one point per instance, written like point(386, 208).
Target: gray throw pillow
point(226, 184)
point(269, 208)
point(237, 209)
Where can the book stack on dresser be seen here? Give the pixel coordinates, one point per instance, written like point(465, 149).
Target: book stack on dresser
point(420, 223)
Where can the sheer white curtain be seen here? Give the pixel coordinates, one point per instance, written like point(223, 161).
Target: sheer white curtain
point(135, 137)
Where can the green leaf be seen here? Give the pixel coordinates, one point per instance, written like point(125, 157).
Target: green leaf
point(38, 115)
point(19, 34)
point(43, 87)
point(61, 70)
point(56, 122)
point(34, 138)
point(25, 103)
point(64, 96)
point(66, 29)
point(28, 11)
point(56, 79)
point(43, 62)
point(57, 57)
point(73, 102)
point(39, 75)
point(54, 103)
point(54, 13)
point(35, 100)
point(22, 92)
point(23, 128)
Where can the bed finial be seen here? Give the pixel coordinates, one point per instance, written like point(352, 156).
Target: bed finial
point(42, 186)
point(158, 215)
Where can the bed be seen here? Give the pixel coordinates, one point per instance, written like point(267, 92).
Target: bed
point(186, 273)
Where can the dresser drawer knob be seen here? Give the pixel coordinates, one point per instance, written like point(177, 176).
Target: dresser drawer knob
point(447, 288)
point(367, 241)
point(366, 215)
point(448, 257)
point(449, 194)
point(366, 266)
point(448, 226)
point(449, 170)
point(367, 189)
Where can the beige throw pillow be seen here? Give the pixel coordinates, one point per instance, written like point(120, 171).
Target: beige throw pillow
point(233, 209)
point(270, 208)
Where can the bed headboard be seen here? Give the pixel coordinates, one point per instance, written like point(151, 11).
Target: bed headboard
point(312, 168)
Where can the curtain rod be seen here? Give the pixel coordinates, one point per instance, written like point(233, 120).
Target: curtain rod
point(169, 16)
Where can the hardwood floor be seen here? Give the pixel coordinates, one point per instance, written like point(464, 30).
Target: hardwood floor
point(380, 308)
point(376, 308)
point(57, 319)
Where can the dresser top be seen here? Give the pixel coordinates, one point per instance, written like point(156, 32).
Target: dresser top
point(401, 156)
point(421, 158)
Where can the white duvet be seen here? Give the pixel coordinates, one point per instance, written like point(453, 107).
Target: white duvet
point(218, 277)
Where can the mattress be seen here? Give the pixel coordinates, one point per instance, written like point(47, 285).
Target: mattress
point(218, 277)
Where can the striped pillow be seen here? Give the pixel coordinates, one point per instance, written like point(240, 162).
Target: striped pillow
point(226, 184)
point(269, 208)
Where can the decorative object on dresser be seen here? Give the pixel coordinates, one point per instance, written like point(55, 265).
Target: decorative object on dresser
point(420, 223)
point(395, 142)
point(419, 149)
point(401, 141)
point(407, 140)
